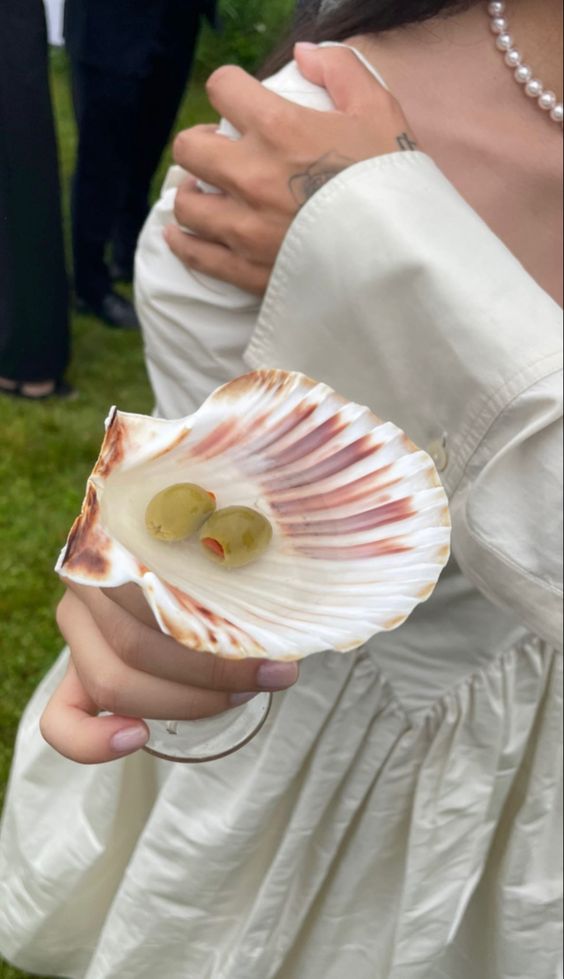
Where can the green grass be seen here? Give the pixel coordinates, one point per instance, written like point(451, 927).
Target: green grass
point(47, 450)
point(46, 453)
point(8, 972)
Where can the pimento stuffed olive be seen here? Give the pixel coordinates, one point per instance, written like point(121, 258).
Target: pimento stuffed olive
point(235, 536)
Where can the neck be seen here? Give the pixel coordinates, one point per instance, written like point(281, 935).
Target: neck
point(537, 31)
point(535, 26)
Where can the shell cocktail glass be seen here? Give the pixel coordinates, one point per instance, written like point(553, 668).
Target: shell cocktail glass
point(361, 532)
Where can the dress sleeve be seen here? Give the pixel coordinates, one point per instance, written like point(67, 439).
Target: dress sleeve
point(195, 327)
point(507, 509)
point(392, 289)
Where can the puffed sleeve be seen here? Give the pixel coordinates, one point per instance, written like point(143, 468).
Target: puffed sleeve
point(195, 328)
point(390, 288)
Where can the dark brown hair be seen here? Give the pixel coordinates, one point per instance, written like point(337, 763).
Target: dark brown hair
point(351, 17)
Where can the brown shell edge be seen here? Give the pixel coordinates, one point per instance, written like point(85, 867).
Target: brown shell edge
point(86, 555)
point(112, 450)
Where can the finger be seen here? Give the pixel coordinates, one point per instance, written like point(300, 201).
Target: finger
point(131, 599)
point(225, 221)
point(211, 216)
point(142, 648)
point(70, 725)
point(349, 83)
point(128, 597)
point(217, 261)
point(244, 101)
point(116, 687)
point(201, 129)
point(209, 155)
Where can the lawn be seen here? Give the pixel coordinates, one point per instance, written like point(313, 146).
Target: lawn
point(47, 450)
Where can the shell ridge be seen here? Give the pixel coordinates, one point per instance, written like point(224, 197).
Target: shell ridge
point(340, 437)
point(327, 418)
point(360, 520)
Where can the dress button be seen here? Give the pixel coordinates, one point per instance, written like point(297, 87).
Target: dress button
point(438, 452)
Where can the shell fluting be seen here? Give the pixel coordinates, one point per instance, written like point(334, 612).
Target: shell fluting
point(361, 528)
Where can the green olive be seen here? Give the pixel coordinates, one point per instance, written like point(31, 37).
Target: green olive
point(178, 511)
point(235, 536)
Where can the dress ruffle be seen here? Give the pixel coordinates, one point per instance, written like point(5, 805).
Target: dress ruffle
point(351, 837)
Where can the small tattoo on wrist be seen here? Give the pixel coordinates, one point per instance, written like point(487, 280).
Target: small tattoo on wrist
point(304, 185)
point(405, 142)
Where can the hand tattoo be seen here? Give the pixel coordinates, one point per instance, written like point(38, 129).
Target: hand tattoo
point(405, 142)
point(304, 185)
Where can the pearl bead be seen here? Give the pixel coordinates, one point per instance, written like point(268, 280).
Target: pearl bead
point(513, 58)
point(547, 101)
point(504, 42)
point(523, 74)
point(534, 88)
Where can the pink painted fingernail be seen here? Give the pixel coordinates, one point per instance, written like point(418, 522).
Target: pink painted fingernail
point(129, 739)
point(277, 676)
point(238, 699)
point(305, 45)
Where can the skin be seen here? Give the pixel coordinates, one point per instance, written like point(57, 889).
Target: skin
point(31, 389)
point(122, 662)
point(285, 155)
point(495, 145)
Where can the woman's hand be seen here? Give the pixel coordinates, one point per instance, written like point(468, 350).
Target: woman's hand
point(121, 662)
point(285, 154)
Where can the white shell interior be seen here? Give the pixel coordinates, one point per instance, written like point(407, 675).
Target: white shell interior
point(360, 520)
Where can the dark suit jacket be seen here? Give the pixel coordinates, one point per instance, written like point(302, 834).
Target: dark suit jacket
point(125, 35)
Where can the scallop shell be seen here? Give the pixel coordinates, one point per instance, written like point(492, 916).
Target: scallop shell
point(360, 519)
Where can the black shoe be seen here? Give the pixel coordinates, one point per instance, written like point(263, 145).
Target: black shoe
point(121, 272)
point(113, 310)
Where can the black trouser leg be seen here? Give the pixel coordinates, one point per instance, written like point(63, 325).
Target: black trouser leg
point(106, 106)
point(160, 95)
point(34, 330)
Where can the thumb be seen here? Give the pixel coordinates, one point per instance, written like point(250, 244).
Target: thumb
point(337, 69)
point(70, 725)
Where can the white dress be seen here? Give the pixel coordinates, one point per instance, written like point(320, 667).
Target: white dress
point(399, 815)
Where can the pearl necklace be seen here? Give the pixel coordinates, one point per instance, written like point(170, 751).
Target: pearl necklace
point(523, 74)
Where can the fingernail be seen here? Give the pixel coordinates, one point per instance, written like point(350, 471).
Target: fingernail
point(305, 45)
point(238, 699)
point(277, 676)
point(129, 739)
